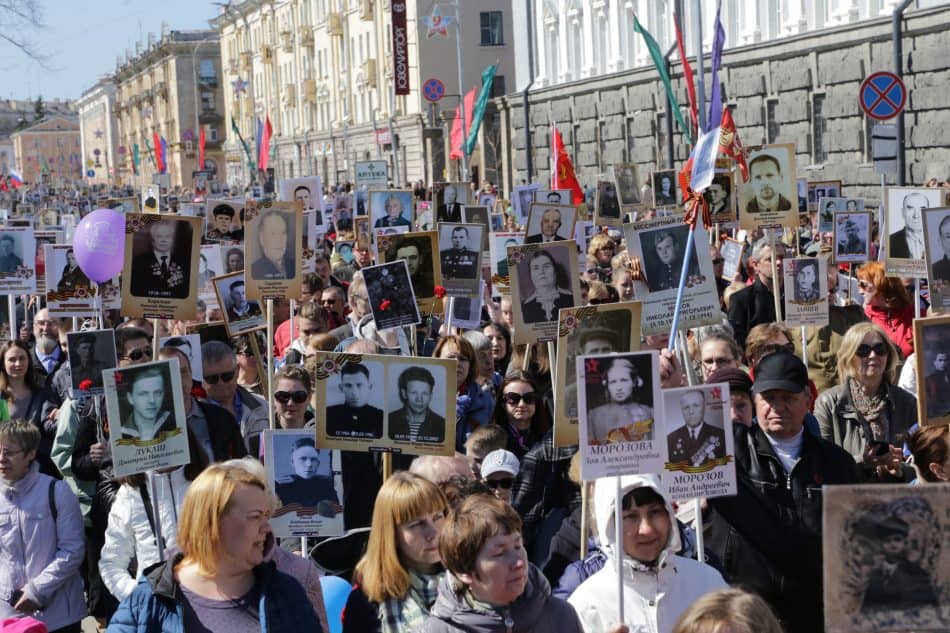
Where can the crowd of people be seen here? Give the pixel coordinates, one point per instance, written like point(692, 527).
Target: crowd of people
point(494, 538)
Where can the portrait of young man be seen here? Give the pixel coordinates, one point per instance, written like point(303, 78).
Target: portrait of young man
point(355, 417)
point(415, 421)
point(306, 486)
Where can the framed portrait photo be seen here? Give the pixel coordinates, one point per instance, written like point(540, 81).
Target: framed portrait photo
point(550, 223)
point(460, 257)
point(607, 209)
point(543, 281)
point(818, 189)
point(421, 253)
point(904, 224)
point(273, 249)
point(628, 183)
point(449, 198)
point(852, 236)
point(521, 199)
point(720, 195)
point(932, 343)
point(498, 247)
point(937, 234)
point(732, 258)
point(768, 198)
point(308, 191)
point(91, 352)
point(17, 260)
point(241, 315)
point(223, 222)
point(391, 207)
point(390, 293)
point(806, 291)
point(665, 188)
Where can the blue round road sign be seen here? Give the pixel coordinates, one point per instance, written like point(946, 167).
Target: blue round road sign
point(433, 90)
point(883, 95)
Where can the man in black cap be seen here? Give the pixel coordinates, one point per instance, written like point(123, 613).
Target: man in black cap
point(223, 216)
point(769, 535)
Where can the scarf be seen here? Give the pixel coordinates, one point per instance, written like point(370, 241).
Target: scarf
point(407, 614)
point(872, 409)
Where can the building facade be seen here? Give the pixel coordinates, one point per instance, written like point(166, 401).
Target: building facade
point(784, 85)
point(98, 132)
point(321, 70)
point(171, 87)
point(49, 151)
point(18, 114)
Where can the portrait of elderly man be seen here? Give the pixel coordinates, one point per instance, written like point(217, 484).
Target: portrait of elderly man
point(149, 398)
point(908, 243)
point(849, 237)
point(698, 441)
point(273, 236)
point(550, 227)
point(306, 486)
point(415, 421)
point(162, 270)
point(394, 210)
point(941, 267)
point(765, 176)
point(450, 210)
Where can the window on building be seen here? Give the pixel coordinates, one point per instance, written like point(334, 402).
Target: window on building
point(206, 70)
point(576, 49)
point(771, 121)
point(493, 33)
point(552, 42)
point(498, 86)
point(631, 138)
point(211, 133)
point(660, 134)
point(601, 145)
point(207, 101)
point(818, 129)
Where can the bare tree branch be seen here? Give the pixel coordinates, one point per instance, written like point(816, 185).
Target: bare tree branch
point(18, 19)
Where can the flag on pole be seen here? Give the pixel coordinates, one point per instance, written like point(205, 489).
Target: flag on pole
point(478, 112)
point(136, 159)
point(266, 133)
point(247, 152)
point(258, 138)
point(201, 148)
point(458, 136)
point(730, 145)
point(657, 55)
point(16, 180)
point(688, 76)
point(164, 154)
point(157, 149)
point(715, 94)
point(563, 176)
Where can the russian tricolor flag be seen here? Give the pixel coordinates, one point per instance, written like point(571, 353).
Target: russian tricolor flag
point(15, 179)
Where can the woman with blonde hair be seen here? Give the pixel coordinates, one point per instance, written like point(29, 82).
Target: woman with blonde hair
point(728, 611)
point(867, 414)
point(222, 579)
point(401, 570)
point(600, 254)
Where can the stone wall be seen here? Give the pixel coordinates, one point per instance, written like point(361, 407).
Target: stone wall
point(791, 73)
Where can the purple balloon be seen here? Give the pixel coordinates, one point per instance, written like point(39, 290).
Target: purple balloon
point(99, 244)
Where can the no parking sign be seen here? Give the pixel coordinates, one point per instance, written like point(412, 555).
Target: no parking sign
point(883, 95)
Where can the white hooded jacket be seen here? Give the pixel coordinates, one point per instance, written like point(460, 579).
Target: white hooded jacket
point(653, 597)
point(129, 534)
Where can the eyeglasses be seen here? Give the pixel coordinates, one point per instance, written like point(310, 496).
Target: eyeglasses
point(225, 376)
point(138, 354)
point(863, 351)
point(7, 452)
point(284, 397)
point(505, 483)
point(718, 260)
point(713, 362)
point(514, 399)
point(597, 302)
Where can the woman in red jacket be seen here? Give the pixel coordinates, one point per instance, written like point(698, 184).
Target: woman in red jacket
point(887, 304)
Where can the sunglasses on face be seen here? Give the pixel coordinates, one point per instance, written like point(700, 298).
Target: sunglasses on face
point(863, 351)
point(506, 483)
point(718, 260)
point(514, 399)
point(284, 397)
point(138, 354)
point(225, 376)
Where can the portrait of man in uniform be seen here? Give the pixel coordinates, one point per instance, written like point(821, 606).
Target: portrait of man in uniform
point(306, 486)
point(698, 441)
point(355, 418)
point(159, 268)
point(459, 261)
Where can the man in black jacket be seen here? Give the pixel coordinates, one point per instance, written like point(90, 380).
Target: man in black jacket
point(769, 535)
point(756, 304)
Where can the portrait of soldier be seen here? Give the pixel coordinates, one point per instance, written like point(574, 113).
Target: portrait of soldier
point(306, 487)
point(765, 176)
point(698, 441)
point(355, 418)
point(459, 261)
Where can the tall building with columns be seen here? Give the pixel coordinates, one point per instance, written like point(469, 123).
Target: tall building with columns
point(98, 133)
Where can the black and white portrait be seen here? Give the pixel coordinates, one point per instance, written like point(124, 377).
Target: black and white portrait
point(161, 258)
point(696, 432)
point(619, 398)
point(818, 189)
point(768, 196)
point(521, 199)
point(664, 188)
point(544, 283)
point(150, 199)
point(272, 245)
point(460, 255)
point(553, 196)
point(607, 203)
point(605, 332)
point(933, 382)
point(11, 251)
point(391, 295)
point(732, 257)
point(417, 404)
point(719, 196)
point(550, 223)
point(481, 216)
point(449, 199)
point(241, 315)
point(90, 353)
point(355, 403)
point(224, 222)
point(663, 254)
point(416, 250)
point(852, 236)
point(628, 184)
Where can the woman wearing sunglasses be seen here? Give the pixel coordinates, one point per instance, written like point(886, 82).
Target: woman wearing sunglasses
point(867, 414)
point(473, 407)
point(521, 413)
point(887, 304)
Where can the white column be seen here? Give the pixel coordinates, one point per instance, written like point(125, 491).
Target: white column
point(540, 43)
point(616, 26)
point(564, 41)
point(749, 28)
point(589, 68)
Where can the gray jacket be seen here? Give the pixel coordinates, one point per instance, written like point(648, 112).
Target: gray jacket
point(535, 610)
point(840, 422)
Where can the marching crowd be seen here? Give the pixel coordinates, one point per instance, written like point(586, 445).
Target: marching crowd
point(495, 538)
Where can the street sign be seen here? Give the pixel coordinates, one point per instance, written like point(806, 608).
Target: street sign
point(433, 90)
point(884, 149)
point(882, 95)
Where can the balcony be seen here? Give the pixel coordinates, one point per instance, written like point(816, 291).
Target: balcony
point(306, 36)
point(210, 116)
point(246, 60)
point(334, 25)
point(234, 66)
point(208, 81)
point(267, 54)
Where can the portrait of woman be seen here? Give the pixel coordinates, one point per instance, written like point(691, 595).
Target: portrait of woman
point(623, 417)
point(551, 288)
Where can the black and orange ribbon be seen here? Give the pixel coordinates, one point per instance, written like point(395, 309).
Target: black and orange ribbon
point(694, 202)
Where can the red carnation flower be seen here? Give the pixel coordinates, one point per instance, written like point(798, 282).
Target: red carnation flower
point(198, 392)
point(384, 304)
point(85, 385)
point(439, 291)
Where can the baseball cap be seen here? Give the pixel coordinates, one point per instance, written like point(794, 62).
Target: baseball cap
point(737, 379)
point(500, 461)
point(780, 370)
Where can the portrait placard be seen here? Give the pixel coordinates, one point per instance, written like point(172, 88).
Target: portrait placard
point(852, 236)
point(886, 558)
point(937, 240)
point(607, 210)
point(190, 346)
point(664, 188)
point(543, 280)
point(68, 291)
point(17, 260)
point(550, 223)
point(487, 200)
point(147, 407)
point(307, 482)
point(161, 266)
point(827, 208)
point(194, 209)
point(210, 265)
point(308, 191)
point(223, 221)
point(390, 207)
point(90, 353)
point(420, 252)
point(123, 205)
point(521, 199)
point(818, 189)
point(390, 294)
point(932, 342)
point(460, 257)
point(240, 314)
point(806, 291)
point(364, 232)
point(589, 330)
point(721, 197)
point(904, 224)
point(554, 196)
point(628, 183)
point(732, 258)
point(478, 215)
point(767, 199)
point(425, 218)
point(698, 426)
point(414, 413)
point(449, 198)
point(619, 403)
point(661, 244)
point(498, 245)
point(151, 200)
point(467, 311)
point(42, 239)
point(273, 248)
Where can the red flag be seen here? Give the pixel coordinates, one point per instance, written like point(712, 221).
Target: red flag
point(264, 158)
point(159, 163)
point(687, 73)
point(730, 145)
point(458, 137)
point(201, 148)
point(563, 176)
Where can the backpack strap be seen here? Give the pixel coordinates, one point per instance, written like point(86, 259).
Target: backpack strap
point(52, 500)
point(147, 502)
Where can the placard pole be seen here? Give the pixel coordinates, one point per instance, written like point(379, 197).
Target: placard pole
point(526, 358)
point(618, 544)
point(270, 361)
point(159, 540)
point(775, 280)
point(448, 315)
point(154, 339)
point(11, 307)
point(804, 347)
point(916, 297)
point(259, 360)
point(552, 363)
point(585, 528)
point(387, 466)
point(293, 321)
point(690, 240)
point(850, 277)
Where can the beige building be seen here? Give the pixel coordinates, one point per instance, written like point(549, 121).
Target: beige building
point(98, 132)
point(322, 71)
point(171, 86)
point(49, 151)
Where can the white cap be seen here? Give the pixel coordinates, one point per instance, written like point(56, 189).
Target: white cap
point(500, 461)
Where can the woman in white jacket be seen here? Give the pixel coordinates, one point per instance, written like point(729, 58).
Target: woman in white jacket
point(658, 585)
point(131, 531)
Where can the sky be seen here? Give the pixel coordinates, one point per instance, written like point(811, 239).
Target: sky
point(82, 38)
